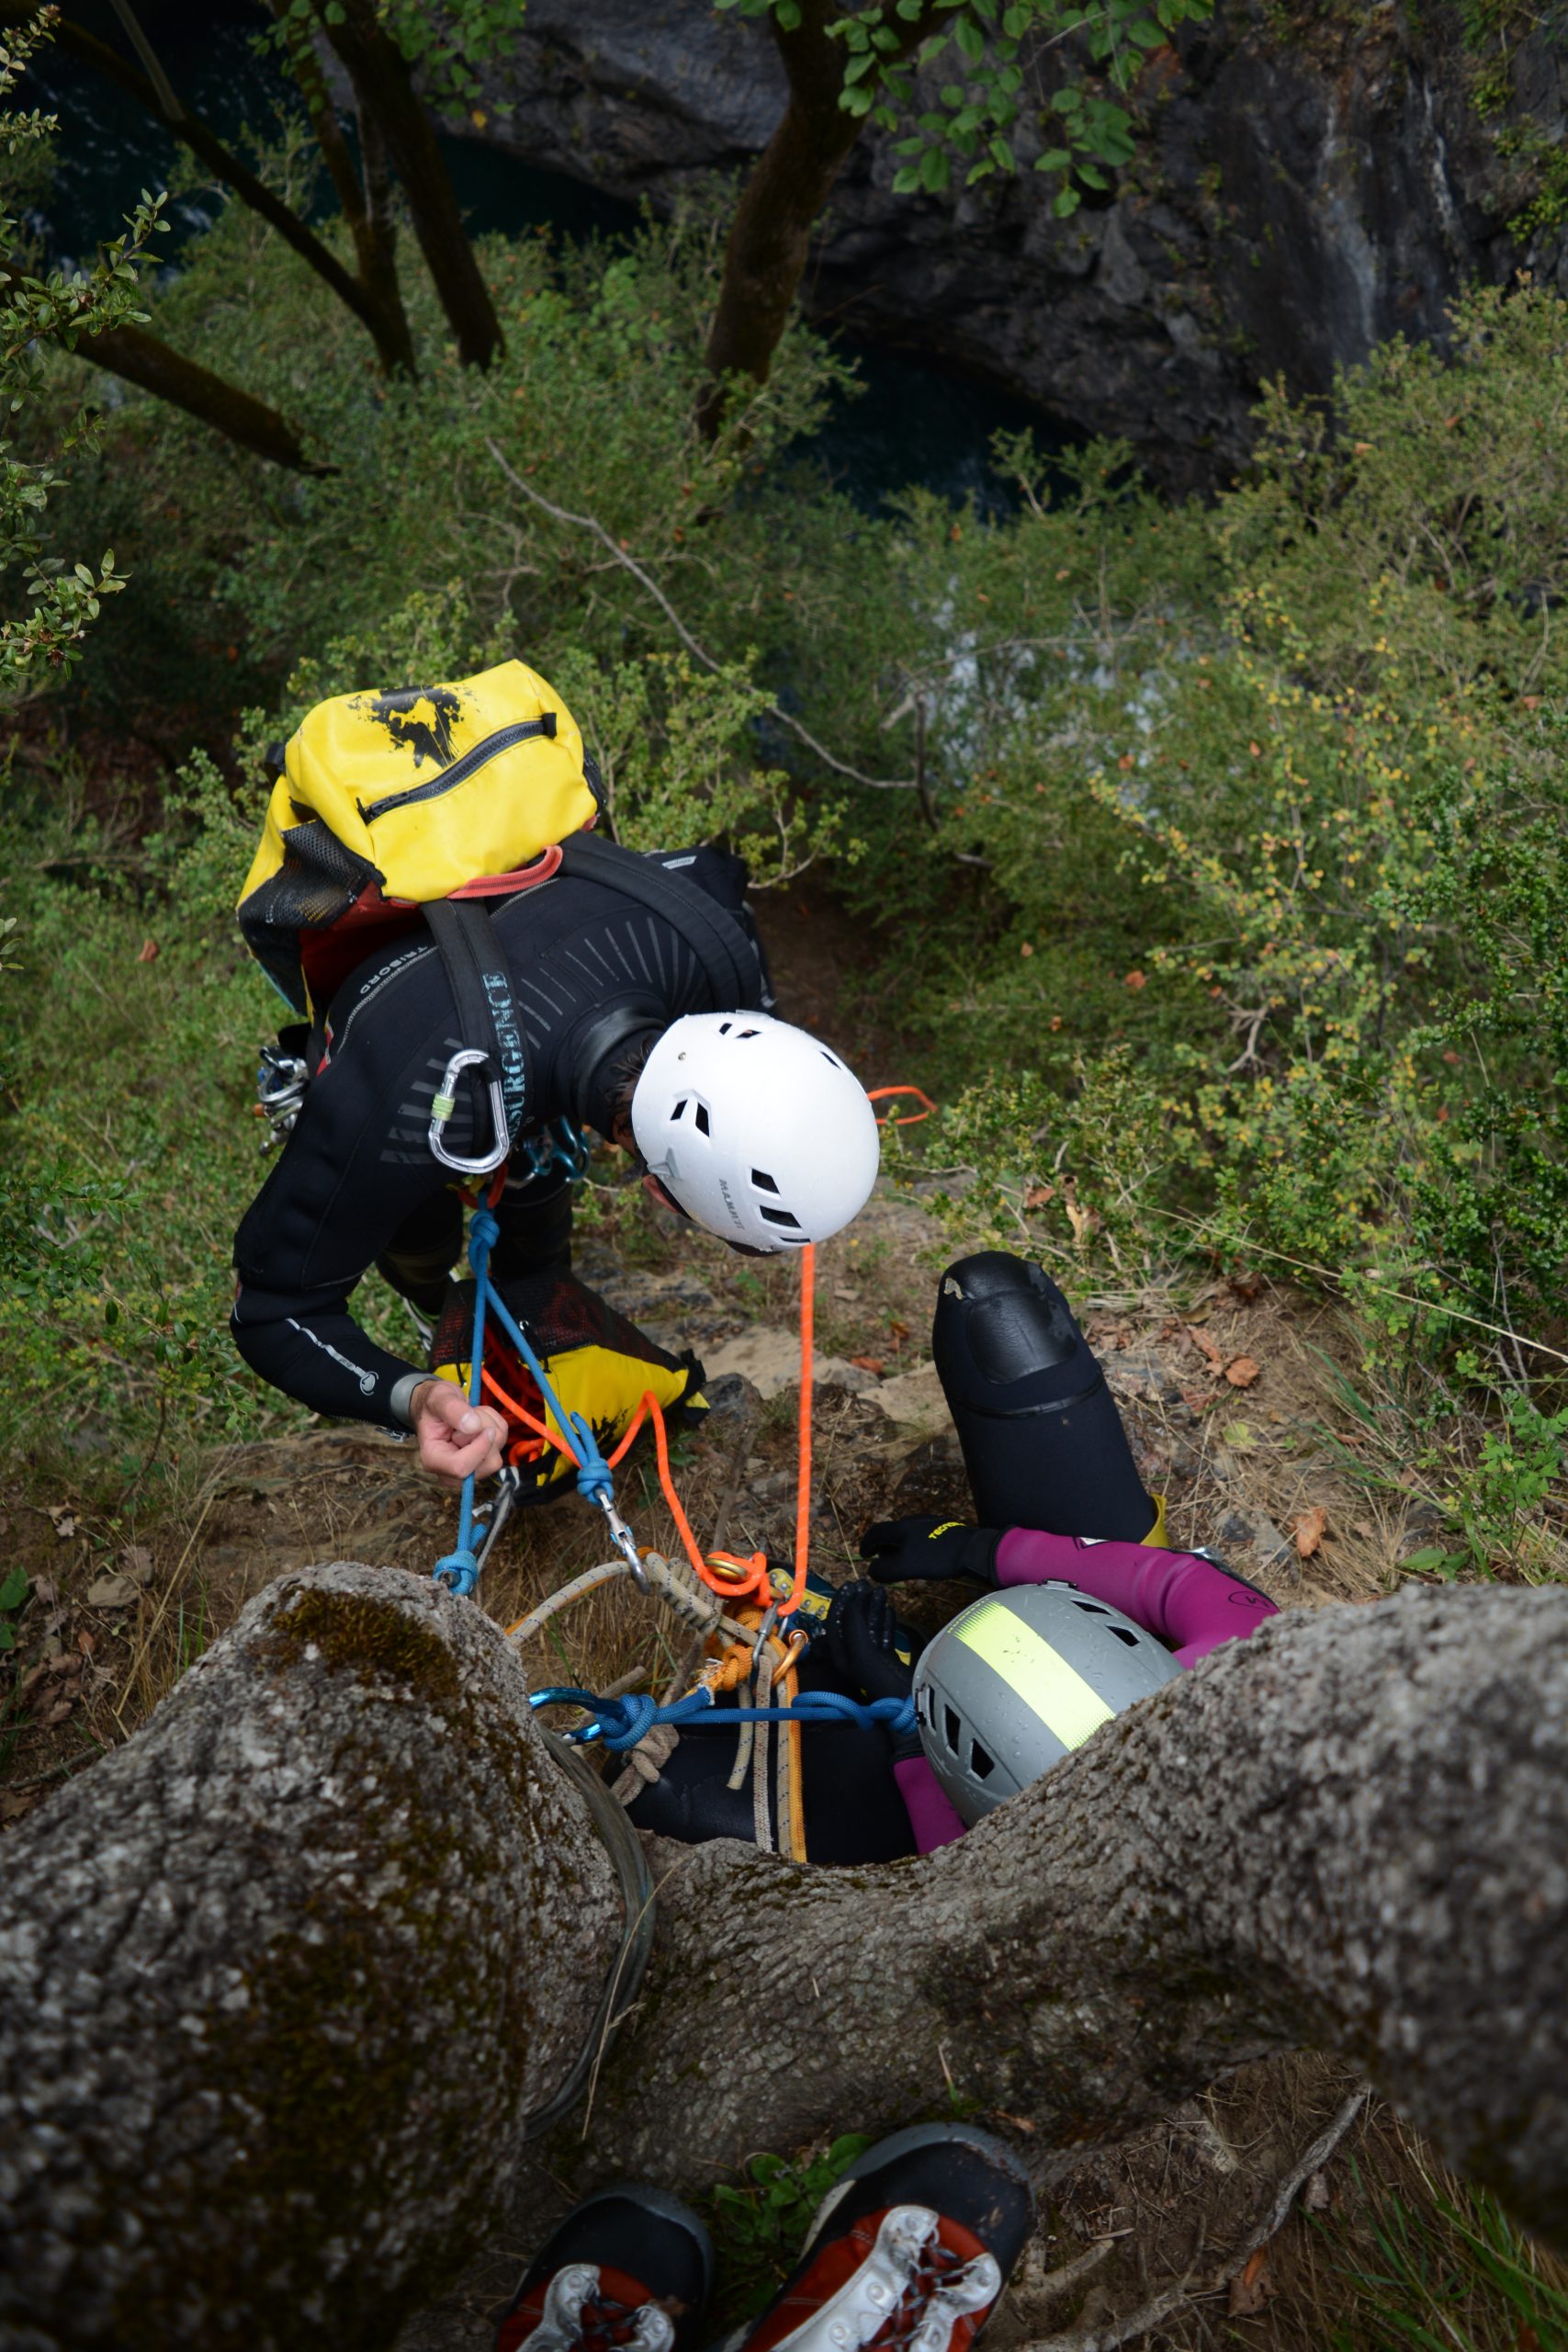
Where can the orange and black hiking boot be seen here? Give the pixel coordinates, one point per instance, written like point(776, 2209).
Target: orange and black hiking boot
point(627, 2271)
point(909, 2252)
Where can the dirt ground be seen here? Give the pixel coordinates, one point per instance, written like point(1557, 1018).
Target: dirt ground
point(1198, 2234)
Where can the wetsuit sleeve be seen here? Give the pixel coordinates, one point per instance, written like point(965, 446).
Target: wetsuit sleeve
point(931, 1817)
point(1192, 1604)
point(353, 1171)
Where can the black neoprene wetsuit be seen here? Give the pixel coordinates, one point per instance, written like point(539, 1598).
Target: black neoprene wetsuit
point(356, 1183)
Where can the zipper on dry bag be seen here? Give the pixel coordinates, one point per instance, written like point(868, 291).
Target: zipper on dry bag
point(489, 748)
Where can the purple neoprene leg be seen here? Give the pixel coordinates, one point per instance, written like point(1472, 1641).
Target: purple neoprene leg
point(931, 1817)
point(1191, 1603)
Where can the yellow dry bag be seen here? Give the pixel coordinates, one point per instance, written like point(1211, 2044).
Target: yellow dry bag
point(389, 801)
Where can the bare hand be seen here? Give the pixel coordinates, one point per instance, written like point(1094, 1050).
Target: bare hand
point(456, 1439)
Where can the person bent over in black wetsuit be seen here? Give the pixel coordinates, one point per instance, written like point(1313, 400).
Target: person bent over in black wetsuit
point(744, 1125)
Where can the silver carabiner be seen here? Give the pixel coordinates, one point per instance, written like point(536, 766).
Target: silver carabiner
point(625, 1542)
point(446, 1102)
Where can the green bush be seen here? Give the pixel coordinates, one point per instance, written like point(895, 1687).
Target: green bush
point(1222, 870)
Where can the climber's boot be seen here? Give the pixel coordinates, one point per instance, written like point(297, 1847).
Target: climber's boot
point(1042, 1440)
point(630, 2268)
point(909, 2252)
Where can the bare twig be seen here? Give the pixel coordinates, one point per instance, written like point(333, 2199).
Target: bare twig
point(692, 645)
point(1285, 2195)
point(1107, 2335)
point(1113, 2333)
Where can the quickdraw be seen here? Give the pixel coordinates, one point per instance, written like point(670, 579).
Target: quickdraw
point(459, 1570)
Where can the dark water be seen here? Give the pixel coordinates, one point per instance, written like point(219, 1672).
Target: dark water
point(913, 425)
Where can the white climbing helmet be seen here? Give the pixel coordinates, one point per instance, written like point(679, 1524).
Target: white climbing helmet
point(755, 1129)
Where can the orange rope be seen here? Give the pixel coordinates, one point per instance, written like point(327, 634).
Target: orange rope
point(881, 1094)
point(803, 1480)
point(747, 1576)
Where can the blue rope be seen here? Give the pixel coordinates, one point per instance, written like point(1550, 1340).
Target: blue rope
point(621, 1723)
point(459, 1569)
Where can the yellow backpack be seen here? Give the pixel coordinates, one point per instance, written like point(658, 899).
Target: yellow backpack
point(423, 807)
point(390, 801)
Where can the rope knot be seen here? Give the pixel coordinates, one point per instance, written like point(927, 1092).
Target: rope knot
point(484, 1231)
point(460, 1571)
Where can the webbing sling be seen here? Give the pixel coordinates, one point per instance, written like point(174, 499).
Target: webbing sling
point(488, 1025)
point(487, 1020)
point(729, 962)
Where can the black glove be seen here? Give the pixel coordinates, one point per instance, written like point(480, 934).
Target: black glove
point(899, 1550)
point(863, 1634)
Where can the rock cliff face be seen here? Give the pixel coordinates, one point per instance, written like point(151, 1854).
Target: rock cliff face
point(1310, 181)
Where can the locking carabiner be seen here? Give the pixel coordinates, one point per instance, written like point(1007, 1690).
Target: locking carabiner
point(446, 1102)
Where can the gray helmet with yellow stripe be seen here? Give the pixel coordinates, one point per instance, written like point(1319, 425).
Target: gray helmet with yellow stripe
point(1021, 1679)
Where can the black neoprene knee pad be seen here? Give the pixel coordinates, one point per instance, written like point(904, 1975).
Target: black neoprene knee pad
point(1042, 1440)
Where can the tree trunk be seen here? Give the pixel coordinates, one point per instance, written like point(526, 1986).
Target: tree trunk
point(362, 194)
point(770, 235)
point(363, 300)
point(142, 359)
point(281, 1977)
point(384, 89)
point(273, 2005)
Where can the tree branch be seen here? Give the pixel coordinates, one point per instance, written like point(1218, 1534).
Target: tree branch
point(384, 88)
point(157, 368)
point(224, 165)
point(271, 2007)
point(791, 181)
point(693, 645)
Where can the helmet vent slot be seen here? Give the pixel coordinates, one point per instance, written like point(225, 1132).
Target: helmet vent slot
point(763, 1183)
point(780, 1216)
point(725, 1027)
point(749, 1033)
point(980, 1763)
point(701, 1116)
point(1122, 1634)
point(952, 1727)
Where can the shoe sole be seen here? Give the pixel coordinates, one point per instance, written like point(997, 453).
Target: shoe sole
point(903, 2143)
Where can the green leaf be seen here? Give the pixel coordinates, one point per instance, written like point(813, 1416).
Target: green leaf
point(905, 180)
point(1003, 155)
point(970, 38)
point(1054, 159)
point(1147, 35)
point(1092, 175)
point(936, 171)
point(7, 1637)
point(14, 1589)
point(1066, 202)
point(1066, 101)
